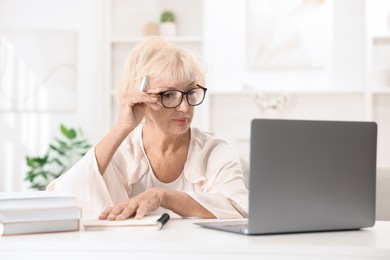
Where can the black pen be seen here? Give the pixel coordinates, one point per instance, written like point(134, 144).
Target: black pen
point(162, 220)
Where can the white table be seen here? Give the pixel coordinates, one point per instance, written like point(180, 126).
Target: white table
point(181, 239)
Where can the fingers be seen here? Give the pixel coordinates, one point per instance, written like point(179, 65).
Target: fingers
point(154, 91)
point(141, 212)
point(125, 214)
point(156, 106)
point(105, 213)
point(119, 212)
point(116, 210)
point(138, 98)
point(134, 98)
point(139, 206)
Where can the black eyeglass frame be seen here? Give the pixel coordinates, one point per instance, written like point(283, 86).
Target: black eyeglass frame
point(184, 94)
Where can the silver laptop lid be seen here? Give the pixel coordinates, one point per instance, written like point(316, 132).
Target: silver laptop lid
point(311, 175)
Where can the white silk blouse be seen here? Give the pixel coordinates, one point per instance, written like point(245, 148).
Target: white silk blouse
point(212, 176)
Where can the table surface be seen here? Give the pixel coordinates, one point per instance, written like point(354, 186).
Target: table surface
point(181, 239)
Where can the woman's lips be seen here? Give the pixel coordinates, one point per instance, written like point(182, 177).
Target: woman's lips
point(181, 121)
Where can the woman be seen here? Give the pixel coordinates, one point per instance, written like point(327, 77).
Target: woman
point(161, 163)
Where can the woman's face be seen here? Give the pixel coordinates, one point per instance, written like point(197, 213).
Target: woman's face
point(171, 120)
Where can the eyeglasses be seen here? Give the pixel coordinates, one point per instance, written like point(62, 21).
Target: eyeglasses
point(173, 98)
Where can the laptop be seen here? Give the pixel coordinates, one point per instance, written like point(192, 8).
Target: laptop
point(308, 176)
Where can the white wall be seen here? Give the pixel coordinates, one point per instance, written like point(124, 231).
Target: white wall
point(29, 133)
point(225, 34)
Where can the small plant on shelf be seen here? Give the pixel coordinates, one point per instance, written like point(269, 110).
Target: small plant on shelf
point(60, 156)
point(167, 17)
point(167, 24)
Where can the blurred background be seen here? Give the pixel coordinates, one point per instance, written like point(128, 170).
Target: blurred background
point(61, 61)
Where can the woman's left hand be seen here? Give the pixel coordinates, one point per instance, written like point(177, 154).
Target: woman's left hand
point(139, 206)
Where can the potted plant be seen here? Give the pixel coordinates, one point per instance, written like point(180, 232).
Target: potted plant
point(167, 24)
point(60, 156)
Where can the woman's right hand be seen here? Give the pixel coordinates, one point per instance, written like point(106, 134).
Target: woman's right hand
point(131, 111)
point(133, 104)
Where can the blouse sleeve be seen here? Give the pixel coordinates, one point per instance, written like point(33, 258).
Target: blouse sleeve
point(93, 192)
point(220, 188)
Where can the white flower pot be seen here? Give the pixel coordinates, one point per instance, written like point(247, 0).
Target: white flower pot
point(168, 29)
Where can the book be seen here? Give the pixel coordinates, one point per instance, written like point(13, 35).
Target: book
point(33, 227)
point(34, 199)
point(39, 214)
point(152, 221)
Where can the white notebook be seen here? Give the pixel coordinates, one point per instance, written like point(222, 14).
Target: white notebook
point(153, 221)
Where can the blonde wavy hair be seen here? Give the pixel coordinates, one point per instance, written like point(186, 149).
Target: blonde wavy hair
point(157, 58)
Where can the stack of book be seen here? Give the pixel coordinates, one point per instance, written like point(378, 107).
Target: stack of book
point(37, 212)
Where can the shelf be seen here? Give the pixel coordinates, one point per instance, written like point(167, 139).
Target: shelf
point(178, 39)
point(321, 92)
point(381, 39)
point(381, 91)
point(290, 92)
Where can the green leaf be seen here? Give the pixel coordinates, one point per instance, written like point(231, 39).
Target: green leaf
point(62, 143)
point(69, 133)
point(73, 134)
point(31, 176)
point(56, 160)
point(44, 175)
point(30, 161)
point(58, 150)
point(79, 143)
point(41, 160)
point(87, 146)
point(38, 186)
